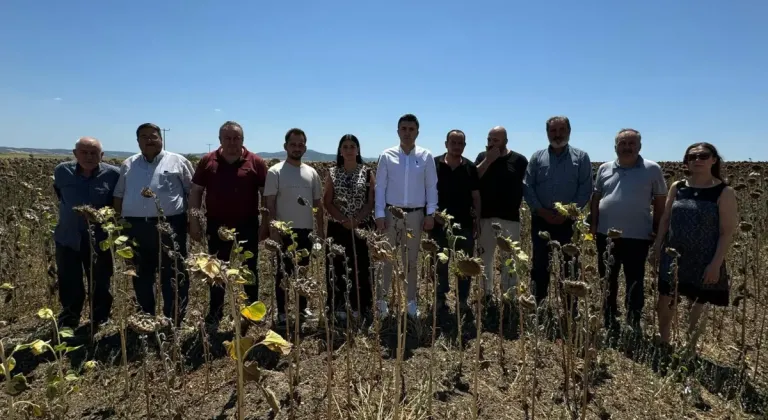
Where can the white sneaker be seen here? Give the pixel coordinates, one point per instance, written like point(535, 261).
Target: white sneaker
point(413, 309)
point(383, 308)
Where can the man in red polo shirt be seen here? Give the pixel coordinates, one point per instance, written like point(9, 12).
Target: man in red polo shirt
point(233, 178)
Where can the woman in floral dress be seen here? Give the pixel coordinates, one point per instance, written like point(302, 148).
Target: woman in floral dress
point(699, 222)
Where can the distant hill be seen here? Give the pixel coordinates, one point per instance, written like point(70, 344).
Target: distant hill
point(311, 155)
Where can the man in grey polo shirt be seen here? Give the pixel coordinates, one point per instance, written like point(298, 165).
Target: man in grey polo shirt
point(624, 191)
point(84, 181)
point(169, 178)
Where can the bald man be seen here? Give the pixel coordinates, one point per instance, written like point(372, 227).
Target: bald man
point(83, 181)
point(501, 174)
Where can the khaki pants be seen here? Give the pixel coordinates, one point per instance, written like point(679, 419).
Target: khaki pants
point(487, 245)
point(396, 234)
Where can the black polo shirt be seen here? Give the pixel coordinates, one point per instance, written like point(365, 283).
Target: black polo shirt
point(501, 187)
point(454, 189)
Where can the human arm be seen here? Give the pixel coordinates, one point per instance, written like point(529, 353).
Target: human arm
point(119, 193)
point(199, 181)
point(729, 221)
point(485, 159)
point(269, 196)
point(328, 201)
point(663, 225)
point(659, 191)
point(594, 207)
point(381, 193)
point(530, 196)
point(367, 208)
point(317, 204)
point(430, 183)
point(584, 188)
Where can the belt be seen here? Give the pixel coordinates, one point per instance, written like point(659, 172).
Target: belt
point(407, 209)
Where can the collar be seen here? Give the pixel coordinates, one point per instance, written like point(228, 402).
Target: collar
point(156, 159)
point(79, 169)
point(220, 157)
point(442, 157)
point(638, 164)
point(413, 151)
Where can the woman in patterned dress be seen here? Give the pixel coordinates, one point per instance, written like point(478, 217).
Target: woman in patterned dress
point(699, 222)
point(348, 198)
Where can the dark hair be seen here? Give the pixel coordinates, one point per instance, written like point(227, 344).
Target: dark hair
point(149, 125)
point(717, 167)
point(457, 131)
point(632, 131)
point(559, 118)
point(231, 124)
point(339, 157)
point(297, 132)
point(408, 118)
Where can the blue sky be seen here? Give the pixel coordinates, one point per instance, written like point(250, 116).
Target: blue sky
point(678, 71)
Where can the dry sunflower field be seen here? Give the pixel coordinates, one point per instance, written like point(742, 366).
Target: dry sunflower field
point(525, 362)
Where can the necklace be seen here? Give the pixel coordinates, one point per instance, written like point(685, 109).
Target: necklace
point(696, 193)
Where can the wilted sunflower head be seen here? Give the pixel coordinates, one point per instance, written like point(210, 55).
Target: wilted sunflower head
point(90, 213)
point(467, 266)
point(554, 244)
point(226, 235)
point(614, 233)
point(504, 244)
point(527, 302)
point(147, 192)
point(263, 212)
point(302, 201)
point(740, 186)
point(429, 245)
point(544, 235)
point(755, 194)
point(571, 250)
point(272, 246)
point(576, 288)
point(745, 227)
point(397, 212)
point(142, 323)
point(337, 251)
point(672, 252)
point(496, 227)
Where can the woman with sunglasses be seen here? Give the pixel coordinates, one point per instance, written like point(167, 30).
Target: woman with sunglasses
point(348, 197)
point(699, 222)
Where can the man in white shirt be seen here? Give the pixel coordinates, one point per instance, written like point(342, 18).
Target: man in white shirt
point(406, 178)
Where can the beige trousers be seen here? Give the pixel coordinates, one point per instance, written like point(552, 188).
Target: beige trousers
point(396, 234)
point(487, 251)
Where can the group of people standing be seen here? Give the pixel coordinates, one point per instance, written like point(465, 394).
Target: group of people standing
point(696, 216)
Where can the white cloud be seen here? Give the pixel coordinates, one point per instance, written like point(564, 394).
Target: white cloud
point(217, 110)
point(56, 99)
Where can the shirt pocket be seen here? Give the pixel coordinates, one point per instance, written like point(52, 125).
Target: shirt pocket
point(168, 181)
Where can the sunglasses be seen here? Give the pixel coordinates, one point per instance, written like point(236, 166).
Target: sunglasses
point(698, 156)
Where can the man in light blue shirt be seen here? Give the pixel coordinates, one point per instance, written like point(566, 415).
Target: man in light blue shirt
point(405, 178)
point(625, 189)
point(152, 196)
point(560, 173)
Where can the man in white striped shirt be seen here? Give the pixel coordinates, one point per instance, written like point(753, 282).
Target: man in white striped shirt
point(406, 178)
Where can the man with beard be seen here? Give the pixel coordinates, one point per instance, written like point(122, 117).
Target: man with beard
point(90, 182)
point(232, 178)
point(624, 192)
point(152, 197)
point(501, 190)
point(405, 178)
point(458, 194)
point(291, 192)
point(560, 173)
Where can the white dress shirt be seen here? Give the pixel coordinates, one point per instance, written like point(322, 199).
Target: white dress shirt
point(406, 180)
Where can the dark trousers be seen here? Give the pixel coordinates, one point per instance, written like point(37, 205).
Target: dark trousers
point(148, 256)
point(337, 284)
point(467, 245)
point(247, 231)
point(630, 254)
point(540, 273)
point(287, 266)
point(71, 265)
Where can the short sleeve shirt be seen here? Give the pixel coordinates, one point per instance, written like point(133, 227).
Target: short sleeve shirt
point(626, 195)
point(455, 187)
point(501, 186)
point(231, 189)
point(168, 175)
point(288, 183)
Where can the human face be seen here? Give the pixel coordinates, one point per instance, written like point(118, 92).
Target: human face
point(558, 134)
point(455, 144)
point(700, 160)
point(349, 151)
point(88, 154)
point(497, 139)
point(408, 131)
point(295, 147)
point(627, 147)
point(150, 142)
point(231, 140)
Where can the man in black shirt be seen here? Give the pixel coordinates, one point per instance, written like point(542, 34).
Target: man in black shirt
point(458, 194)
point(501, 174)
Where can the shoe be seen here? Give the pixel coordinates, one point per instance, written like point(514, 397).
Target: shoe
point(413, 309)
point(383, 308)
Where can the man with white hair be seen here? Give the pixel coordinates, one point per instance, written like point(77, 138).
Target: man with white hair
point(85, 181)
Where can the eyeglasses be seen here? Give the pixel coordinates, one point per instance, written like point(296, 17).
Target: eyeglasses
point(698, 156)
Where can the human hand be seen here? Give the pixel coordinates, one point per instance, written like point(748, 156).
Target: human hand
point(429, 223)
point(492, 153)
point(712, 273)
point(381, 224)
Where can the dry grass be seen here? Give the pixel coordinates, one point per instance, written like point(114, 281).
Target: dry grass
point(186, 373)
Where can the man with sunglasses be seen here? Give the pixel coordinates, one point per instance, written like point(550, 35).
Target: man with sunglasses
point(624, 191)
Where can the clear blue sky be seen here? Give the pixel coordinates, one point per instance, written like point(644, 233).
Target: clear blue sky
point(678, 71)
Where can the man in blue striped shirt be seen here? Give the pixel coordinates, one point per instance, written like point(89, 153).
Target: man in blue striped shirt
point(559, 173)
point(159, 211)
